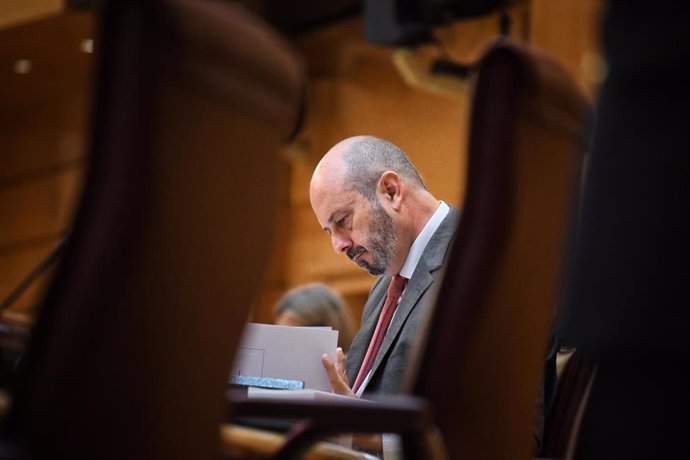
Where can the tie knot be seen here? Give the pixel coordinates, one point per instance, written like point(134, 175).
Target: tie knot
point(397, 286)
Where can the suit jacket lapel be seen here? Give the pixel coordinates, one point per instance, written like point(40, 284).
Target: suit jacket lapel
point(422, 278)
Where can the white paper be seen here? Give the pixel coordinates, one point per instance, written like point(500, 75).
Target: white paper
point(306, 394)
point(286, 352)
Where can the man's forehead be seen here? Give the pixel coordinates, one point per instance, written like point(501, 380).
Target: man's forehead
point(326, 182)
point(327, 188)
point(333, 200)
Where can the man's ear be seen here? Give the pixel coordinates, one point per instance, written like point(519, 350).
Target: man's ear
point(391, 188)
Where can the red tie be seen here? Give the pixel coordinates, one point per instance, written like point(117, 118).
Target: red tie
point(395, 289)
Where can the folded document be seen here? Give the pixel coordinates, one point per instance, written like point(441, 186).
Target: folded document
point(286, 352)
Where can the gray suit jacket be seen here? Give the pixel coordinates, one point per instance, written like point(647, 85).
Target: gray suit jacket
point(392, 359)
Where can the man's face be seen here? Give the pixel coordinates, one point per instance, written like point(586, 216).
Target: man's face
point(360, 229)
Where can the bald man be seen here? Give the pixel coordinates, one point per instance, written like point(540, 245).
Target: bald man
point(371, 201)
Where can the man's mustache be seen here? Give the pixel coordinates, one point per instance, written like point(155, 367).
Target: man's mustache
point(353, 252)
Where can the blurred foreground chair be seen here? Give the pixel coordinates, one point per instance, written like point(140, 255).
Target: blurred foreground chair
point(572, 396)
point(628, 297)
point(474, 380)
point(134, 342)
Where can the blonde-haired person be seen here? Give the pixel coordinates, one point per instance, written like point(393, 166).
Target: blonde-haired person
point(316, 305)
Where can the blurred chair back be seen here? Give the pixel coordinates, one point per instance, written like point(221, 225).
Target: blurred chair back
point(135, 339)
point(627, 296)
point(565, 418)
point(486, 339)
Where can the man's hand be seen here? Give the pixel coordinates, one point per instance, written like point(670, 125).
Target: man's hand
point(338, 378)
point(336, 373)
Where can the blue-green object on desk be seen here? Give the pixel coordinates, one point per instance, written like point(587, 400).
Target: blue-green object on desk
point(266, 382)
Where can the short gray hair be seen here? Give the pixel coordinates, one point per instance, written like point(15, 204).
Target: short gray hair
point(367, 157)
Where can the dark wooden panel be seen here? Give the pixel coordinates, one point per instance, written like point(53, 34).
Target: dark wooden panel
point(43, 132)
point(38, 208)
point(44, 112)
point(43, 139)
point(16, 11)
point(58, 64)
point(15, 265)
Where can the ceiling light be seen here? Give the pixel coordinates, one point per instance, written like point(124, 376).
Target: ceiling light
point(87, 45)
point(22, 66)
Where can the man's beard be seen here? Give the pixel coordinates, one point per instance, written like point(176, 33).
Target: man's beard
point(383, 237)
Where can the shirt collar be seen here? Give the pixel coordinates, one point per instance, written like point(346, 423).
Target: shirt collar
point(419, 244)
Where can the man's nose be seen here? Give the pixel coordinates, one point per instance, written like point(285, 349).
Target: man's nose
point(340, 242)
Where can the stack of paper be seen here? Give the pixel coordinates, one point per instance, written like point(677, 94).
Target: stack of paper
point(286, 352)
